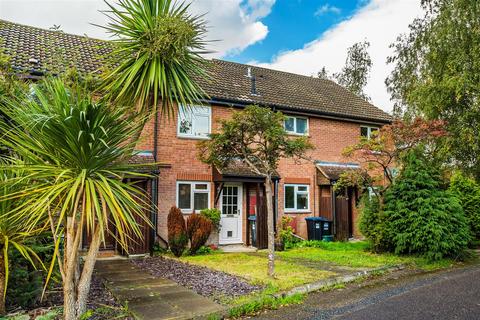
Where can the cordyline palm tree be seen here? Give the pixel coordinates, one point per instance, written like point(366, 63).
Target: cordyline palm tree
point(76, 152)
point(16, 232)
point(157, 54)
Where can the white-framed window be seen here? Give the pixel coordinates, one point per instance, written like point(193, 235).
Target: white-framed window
point(193, 195)
point(296, 125)
point(296, 197)
point(194, 122)
point(368, 132)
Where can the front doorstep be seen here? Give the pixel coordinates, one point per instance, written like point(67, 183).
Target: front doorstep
point(236, 248)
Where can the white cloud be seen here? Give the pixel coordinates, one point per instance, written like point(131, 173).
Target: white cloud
point(327, 8)
point(379, 21)
point(235, 23)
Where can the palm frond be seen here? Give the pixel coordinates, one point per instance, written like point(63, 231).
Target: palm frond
point(158, 54)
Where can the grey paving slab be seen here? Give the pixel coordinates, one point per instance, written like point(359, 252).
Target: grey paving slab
point(151, 297)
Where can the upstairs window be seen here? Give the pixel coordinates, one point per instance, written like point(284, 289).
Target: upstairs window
point(193, 196)
point(194, 122)
point(296, 198)
point(296, 125)
point(368, 132)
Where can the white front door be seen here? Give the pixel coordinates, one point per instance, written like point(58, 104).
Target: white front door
point(231, 218)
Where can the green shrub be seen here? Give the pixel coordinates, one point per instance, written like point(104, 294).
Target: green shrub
point(27, 282)
point(204, 250)
point(213, 215)
point(285, 233)
point(198, 231)
point(372, 223)
point(422, 218)
point(177, 234)
point(467, 192)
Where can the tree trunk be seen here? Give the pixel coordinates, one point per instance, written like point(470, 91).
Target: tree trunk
point(270, 223)
point(70, 269)
point(2, 285)
point(87, 271)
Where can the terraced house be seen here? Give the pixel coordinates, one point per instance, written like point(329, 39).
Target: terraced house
point(332, 118)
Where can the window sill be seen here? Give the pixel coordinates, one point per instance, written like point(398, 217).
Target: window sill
point(297, 211)
point(192, 137)
point(298, 134)
point(190, 211)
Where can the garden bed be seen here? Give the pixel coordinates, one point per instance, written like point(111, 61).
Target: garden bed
point(101, 305)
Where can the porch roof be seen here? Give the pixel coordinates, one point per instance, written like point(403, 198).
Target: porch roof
point(145, 162)
point(238, 171)
point(331, 171)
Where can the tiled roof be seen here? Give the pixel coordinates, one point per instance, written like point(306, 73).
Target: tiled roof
point(288, 91)
point(240, 169)
point(229, 82)
point(35, 50)
point(143, 162)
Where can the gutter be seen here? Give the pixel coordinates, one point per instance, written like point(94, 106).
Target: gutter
point(299, 111)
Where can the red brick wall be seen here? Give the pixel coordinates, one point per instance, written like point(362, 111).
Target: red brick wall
point(329, 137)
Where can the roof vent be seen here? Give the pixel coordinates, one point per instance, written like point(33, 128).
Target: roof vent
point(33, 61)
point(249, 72)
point(253, 81)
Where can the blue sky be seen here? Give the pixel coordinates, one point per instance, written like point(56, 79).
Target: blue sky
point(299, 36)
point(293, 23)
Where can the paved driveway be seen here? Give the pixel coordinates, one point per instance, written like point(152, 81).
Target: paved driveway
point(445, 295)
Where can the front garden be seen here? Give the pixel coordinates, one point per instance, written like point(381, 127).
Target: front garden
point(240, 281)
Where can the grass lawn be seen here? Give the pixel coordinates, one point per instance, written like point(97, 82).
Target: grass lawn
point(355, 255)
point(303, 265)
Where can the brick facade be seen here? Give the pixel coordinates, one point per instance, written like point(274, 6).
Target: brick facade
point(328, 136)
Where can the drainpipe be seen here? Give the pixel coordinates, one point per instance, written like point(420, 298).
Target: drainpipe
point(334, 210)
point(275, 207)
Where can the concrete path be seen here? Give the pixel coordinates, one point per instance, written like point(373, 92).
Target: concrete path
point(149, 297)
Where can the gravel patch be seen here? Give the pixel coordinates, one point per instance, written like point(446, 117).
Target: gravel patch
point(204, 281)
point(98, 296)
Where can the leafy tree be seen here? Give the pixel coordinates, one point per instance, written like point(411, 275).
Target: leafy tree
point(420, 217)
point(323, 74)
point(157, 54)
point(467, 191)
point(75, 152)
point(16, 232)
point(437, 74)
point(255, 136)
point(355, 73)
point(384, 151)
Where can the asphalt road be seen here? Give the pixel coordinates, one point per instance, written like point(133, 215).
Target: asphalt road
point(444, 295)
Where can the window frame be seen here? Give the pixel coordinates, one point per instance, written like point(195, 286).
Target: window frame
point(369, 131)
point(190, 110)
point(295, 193)
point(294, 132)
point(193, 190)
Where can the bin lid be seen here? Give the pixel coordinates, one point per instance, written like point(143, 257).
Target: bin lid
point(252, 218)
point(317, 219)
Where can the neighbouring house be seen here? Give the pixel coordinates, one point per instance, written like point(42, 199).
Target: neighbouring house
point(331, 116)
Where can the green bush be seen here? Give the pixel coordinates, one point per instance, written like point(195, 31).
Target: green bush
point(467, 192)
point(422, 218)
point(26, 282)
point(285, 233)
point(177, 233)
point(213, 215)
point(372, 223)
